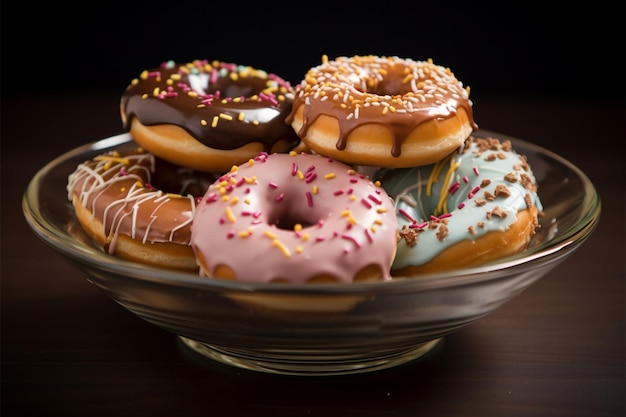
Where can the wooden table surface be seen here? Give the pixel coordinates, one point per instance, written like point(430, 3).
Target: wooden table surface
point(558, 349)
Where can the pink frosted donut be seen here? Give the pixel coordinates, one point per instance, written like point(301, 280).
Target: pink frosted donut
point(297, 218)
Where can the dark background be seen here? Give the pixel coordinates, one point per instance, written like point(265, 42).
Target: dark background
point(507, 47)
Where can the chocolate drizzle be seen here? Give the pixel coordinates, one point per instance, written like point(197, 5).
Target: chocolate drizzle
point(399, 94)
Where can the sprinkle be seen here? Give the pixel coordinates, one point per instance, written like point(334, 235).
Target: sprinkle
point(229, 215)
point(474, 191)
point(405, 214)
point(309, 199)
point(280, 197)
point(366, 203)
point(278, 244)
point(352, 239)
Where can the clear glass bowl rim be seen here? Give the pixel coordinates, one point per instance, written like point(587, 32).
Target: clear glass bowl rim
point(96, 259)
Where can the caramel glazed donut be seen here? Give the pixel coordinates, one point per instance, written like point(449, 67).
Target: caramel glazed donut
point(477, 205)
point(208, 116)
point(296, 218)
point(119, 200)
point(382, 111)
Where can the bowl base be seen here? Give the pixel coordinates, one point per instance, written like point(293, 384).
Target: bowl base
point(297, 362)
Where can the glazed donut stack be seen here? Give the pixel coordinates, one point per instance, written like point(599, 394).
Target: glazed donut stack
point(366, 170)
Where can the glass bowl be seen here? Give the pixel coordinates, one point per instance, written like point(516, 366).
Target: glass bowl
point(317, 329)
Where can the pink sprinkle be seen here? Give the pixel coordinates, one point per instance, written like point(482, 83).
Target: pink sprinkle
point(460, 206)
point(352, 239)
point(445, 215)
point(454, 188)
point(434, 218)
point(246, 213)
point(465, 179)
point(309, 198)
point(375, 199)
point(241, 181)
point(310, 168)
point(211, 198)
point(349, 190)
point(338, 192)
point(310, 176)
point(280, 197)
point(273, 185)
point(366, 203)
point(369, 236)
point(354, 180)
point(319, 239)
point(320, 223)
point(475, 169)
point(294, 168)
point(230, 235)
point(474, 191)
point(407, 215)
point(256, 214)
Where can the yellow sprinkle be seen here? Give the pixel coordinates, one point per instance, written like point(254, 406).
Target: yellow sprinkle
point(245, 233)
point(329, 176)
point(203, 122)
point(169, 81)
point(293, 153)
point(123, 189)
point(192, 94)
point(316, 189)
point(230, 216)
point(269, 234)
point(246, 201)
point(175, 76)
point(299, 249)
point(234, 168)
point(225, 198)
point(155, 92)
point(144, 96)
point(250, 162)
point(250, 180)
point(139, 184)
point(378, 221)
point(381, 210)
point(112, 159)
point(300, 175)
point(234, 200)
point(306, 236)
point(297, 227)
point(174, 196)
point(282, 247)
point(441, 205)
point(352, 197)
point(226, 116)
point(214, 123)
point(144, 75)
point(240, 117)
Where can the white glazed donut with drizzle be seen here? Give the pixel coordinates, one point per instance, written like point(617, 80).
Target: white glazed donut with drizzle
point(477, 205)
point(295, 218)
point(138, 207)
